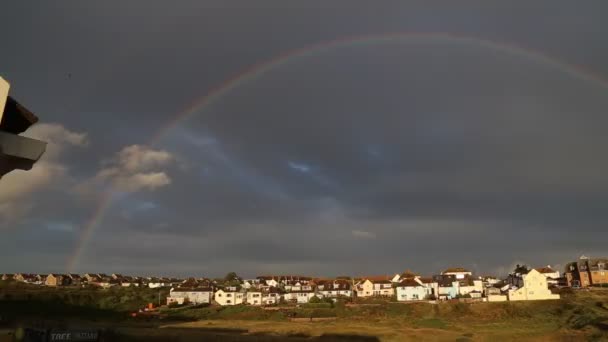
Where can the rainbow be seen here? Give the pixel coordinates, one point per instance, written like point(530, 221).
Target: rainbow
point(258, 70)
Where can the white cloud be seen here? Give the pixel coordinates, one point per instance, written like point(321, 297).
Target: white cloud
point(17, 187)
point(136, 168)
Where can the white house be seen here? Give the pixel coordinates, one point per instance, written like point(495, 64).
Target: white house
point(411, 290)
point(155, 283)
point(534, 287)
point(334, 289)
point(470, 286)
point(227, 297)
point(551, 274)
point(375, 287)
point(300, 297)
point(254, 297)
point(190, 295)
point(458, 272)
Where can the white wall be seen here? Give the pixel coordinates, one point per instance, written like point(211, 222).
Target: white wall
point(229, 298)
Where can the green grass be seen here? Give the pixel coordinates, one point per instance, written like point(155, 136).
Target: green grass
point(433, 323)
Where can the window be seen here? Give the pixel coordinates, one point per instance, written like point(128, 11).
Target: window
point(228, 295)
point(219, 294)
point(228, 301)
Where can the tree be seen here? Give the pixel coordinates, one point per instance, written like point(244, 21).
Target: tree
point(231, 276)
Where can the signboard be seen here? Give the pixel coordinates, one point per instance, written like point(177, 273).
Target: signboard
point(39, 335)
point(80, 336)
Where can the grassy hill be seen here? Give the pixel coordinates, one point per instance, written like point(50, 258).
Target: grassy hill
point(579, 315)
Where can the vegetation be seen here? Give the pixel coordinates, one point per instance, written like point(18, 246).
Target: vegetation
point(580, 315)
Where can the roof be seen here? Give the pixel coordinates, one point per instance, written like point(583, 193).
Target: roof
point(191, 289)
point(426, 280)
point(408, 283)
point(545, 270)
point(16, 119)
point(408, 274)
point(378, 279)
point(456, 270)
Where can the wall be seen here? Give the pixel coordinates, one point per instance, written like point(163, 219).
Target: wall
point(409, 293)
point(497, 298)
point(599, 277)
point(229, 298)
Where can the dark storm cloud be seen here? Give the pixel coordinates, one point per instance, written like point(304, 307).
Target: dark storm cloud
point(404, 153)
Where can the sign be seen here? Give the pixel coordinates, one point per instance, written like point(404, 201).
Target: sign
point(80, 336)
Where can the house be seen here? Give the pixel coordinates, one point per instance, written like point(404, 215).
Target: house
point(552, 275)
point(26, 278)
point(155, 283)
point(489, 280)
point(226, 297)
point(534, 287)
point(496, 293)
point(184, 295)
point(410, 290)
point(299, 296)
point(338, 288)
point(375, 286)
point(91, 278)
point(75, 279)
point(271, 296)
point(447, 286)
point(254, 297)
point(458, 272)
point(7, 276)
point(57, 280)
point(269, 280)
point(587, 272)
point(431, 284)
point(470, 286)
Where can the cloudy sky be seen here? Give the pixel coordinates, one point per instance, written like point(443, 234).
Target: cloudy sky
point(461, 134)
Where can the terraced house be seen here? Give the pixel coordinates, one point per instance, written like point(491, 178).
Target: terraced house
point(587, 272)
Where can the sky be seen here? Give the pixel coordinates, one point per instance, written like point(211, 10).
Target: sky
point(474, 137)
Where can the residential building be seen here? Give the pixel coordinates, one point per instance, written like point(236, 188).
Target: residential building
point(299, 296)
point(447, 286)
point(587, 272)
point(458, 272)
point(412, 290)
point(470, 286)
point(181, 295)
point(534, 287)
point(552, 275)
point(375, 286)
point(339, 288)
point(57, 280)
point(226, 297)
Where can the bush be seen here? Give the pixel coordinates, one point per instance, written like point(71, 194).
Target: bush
point(314, 300)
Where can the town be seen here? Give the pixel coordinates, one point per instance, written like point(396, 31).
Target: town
point(456, 283)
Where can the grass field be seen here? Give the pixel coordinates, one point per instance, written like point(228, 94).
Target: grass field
point(578, 316)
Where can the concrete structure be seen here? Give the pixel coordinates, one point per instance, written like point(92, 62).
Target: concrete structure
point(225, 298)
point(190, 295)
point(534, 287)
point(16, 152)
